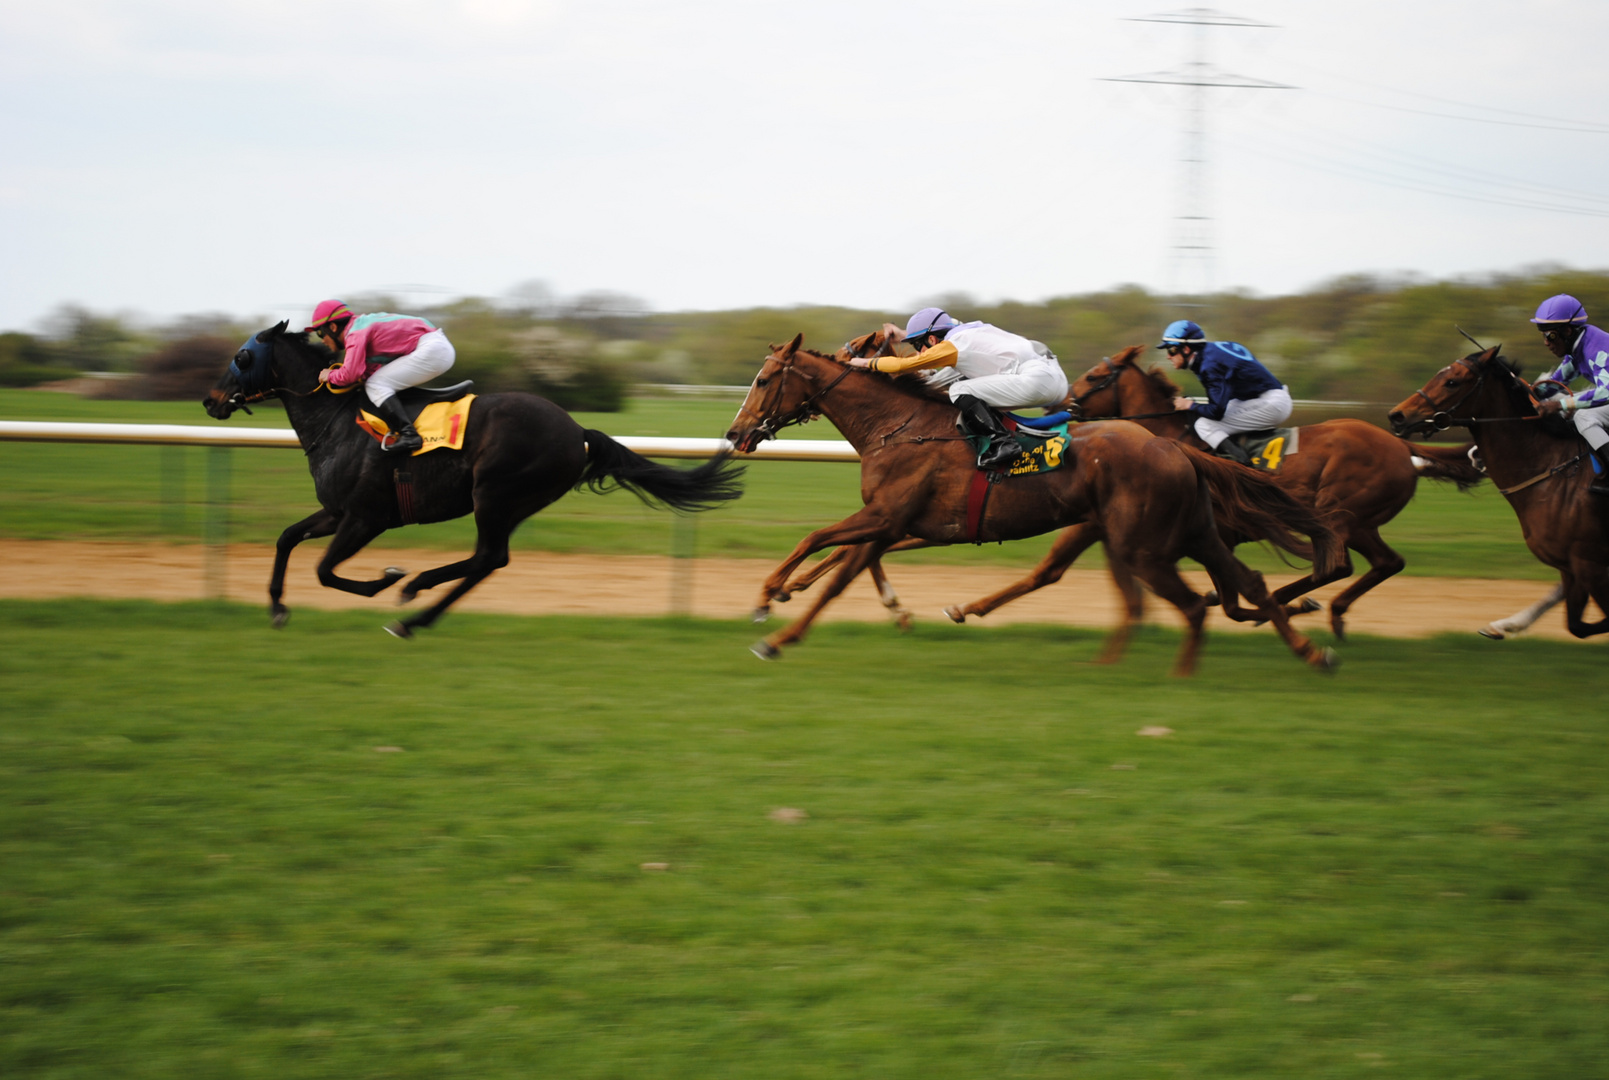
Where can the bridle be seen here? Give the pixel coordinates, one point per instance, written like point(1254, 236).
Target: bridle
point(1442, 417)
point(1075, 404)
point(807, 409)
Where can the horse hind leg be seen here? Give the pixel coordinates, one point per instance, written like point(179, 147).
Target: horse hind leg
point(1164, 580)
point(890, 599)
point(1384, 562)
point(491, 554)
point(1070, 543)
point(1233, 576)
point(1117, 642)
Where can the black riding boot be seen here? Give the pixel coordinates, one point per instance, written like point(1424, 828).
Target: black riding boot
point(1232, 450)
point(980, 421)
point(402, 439)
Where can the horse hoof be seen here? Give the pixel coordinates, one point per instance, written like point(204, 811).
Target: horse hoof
point(1307, 606)
point(1211, 599)
point(1327, 660)
point(903, 621)
point(1491, 633)
point(759, 614)
point(765, 650)
point(278, 619)
point(955, 614)
point(398, 629)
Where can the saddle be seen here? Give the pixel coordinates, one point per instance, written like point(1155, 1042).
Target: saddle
point(415, 398)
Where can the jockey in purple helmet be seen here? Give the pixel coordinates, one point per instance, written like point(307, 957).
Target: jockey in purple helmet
point(1242, 395)
point(982, 368)
point(1584, 353)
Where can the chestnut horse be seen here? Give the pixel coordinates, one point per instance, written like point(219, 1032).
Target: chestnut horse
point(1150, 500)
point(1355, 475)
point(1539, 466)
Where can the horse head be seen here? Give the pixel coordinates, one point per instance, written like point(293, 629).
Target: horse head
point(1098, 392)
point(1457, 394)
point(269, 361)
point(776, 398)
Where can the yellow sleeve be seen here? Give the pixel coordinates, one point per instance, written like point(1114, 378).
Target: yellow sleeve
point(943, 354)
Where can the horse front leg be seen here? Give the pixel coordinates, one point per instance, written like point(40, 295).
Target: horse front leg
point(1498, 629)
point(320, 523)
point(1585, 579)
point(351, 536)
point(853, 562)
point(867, 523)
point(1070, 543)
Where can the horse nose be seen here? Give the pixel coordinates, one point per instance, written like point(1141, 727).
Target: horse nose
point(1395, 416)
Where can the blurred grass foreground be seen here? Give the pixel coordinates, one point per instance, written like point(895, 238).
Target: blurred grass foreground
point(577, 848)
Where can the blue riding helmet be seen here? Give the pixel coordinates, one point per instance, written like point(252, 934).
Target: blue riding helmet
point(1182, 332)
point(1561, 309)
point(253, 365)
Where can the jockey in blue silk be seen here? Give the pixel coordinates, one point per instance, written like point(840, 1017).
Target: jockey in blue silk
point(1584, 354)
point(1242, 395)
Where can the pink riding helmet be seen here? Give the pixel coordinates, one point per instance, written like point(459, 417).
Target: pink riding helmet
point(327, 312)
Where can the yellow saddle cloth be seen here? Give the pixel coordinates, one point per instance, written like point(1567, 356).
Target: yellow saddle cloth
point(441, 423)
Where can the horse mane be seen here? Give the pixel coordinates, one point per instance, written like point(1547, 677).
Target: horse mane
point(915, 388)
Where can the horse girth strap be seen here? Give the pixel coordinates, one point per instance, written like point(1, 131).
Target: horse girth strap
point(1539, 477)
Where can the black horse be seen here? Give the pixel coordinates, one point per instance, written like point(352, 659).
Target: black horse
point(520, 453)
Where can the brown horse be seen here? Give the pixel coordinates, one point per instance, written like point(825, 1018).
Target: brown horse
point(1538, 465)
point(1354, 474)
point(1149, 499)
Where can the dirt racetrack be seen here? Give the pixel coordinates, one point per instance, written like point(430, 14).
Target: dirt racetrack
point(541, 583)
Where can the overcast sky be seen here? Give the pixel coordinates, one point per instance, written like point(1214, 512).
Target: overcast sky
point(255, 156)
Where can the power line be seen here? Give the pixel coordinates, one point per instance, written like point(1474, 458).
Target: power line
point(1192, 247)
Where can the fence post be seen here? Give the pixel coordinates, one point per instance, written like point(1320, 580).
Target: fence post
point(683, 543)
point(216, 529)
point(172, 489)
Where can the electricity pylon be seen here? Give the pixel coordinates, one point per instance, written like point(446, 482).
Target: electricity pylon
point(1192, 250)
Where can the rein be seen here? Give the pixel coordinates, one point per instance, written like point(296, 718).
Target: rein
point(1537, 479)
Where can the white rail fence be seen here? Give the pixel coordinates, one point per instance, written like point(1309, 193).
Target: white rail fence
point(220, 440)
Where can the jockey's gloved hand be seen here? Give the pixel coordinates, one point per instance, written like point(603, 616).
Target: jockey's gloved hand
point(1562, 406)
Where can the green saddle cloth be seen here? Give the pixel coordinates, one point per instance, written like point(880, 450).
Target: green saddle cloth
point(1042, 450)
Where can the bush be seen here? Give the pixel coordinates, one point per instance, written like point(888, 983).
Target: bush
point(184, 370)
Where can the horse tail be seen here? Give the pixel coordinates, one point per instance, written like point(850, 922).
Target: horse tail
point(610, 465)
point(1446, 463)
point(1251, 506)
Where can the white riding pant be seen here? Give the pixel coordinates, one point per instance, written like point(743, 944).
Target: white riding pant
point(1593, 424)
point(1269, 409)
point(432, 355)
point(1037, 382)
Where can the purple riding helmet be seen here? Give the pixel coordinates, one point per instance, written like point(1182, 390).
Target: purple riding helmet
point(1561, 309)
point(930, 320)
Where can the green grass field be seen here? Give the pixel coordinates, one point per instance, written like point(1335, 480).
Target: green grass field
point(132, 492)
point(230, 852)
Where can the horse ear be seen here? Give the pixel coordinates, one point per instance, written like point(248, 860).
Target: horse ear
point(1127, 355)
point(280, 327)
point(793, 346)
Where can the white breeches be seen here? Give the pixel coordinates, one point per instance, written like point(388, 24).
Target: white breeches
point(1593, 424)
point(1040, 382)
point(1269, 409)
point(433, 355)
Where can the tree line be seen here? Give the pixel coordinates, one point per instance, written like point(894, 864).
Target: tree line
point(1365, 338)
